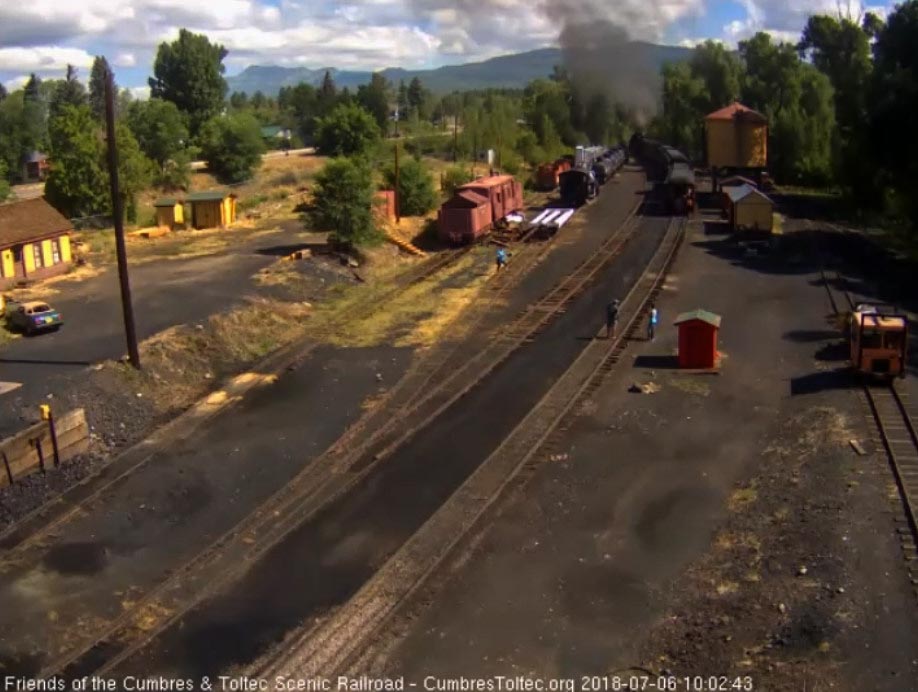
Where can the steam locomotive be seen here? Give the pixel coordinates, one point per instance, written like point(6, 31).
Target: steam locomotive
point(670, 171)
point(592, 168)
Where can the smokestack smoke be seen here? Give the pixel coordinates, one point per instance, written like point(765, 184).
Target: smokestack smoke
point(600, 56)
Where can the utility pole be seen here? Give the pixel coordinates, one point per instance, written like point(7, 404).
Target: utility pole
point(455, 137)
point(398, 217)
point(117, 213)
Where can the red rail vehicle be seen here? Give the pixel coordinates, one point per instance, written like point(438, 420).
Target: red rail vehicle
point(547, 175)
point(477, 207)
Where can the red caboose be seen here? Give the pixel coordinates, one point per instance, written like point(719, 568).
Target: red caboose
point(477, 206)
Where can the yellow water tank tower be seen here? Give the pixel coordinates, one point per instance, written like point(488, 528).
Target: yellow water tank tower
point(737, 138)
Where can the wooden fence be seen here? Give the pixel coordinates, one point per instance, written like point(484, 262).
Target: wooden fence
point(33, 450)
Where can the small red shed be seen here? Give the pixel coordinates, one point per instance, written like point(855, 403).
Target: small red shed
point(384, 203)
point(698, 339)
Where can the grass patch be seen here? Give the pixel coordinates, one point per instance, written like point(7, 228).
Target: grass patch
point(100, 242)
point(427, 307)
point(741, 498)
point(251, 202)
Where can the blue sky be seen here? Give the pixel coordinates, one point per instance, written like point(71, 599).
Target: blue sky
point(44, 35)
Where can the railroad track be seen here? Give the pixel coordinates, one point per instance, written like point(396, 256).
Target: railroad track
point(336, 645)
point(15, 544)
point(895, 416)
point(326, 479)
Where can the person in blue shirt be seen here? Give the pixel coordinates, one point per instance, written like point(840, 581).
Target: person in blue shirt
point(652, 320)
point(501, 258)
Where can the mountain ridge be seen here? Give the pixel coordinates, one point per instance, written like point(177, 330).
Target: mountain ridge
point(514, 70)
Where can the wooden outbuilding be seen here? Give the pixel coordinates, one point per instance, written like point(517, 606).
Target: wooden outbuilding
point(736, 138)
point(698, 339)
point(35, 167)
point(749, 208)
point(384, 204)
point(170, 213)
point(212, 209)
point(34, 241)
point(731, 181)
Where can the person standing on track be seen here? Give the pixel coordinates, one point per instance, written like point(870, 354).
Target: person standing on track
point(501, 258)
point(652, 320)
point(611, 318)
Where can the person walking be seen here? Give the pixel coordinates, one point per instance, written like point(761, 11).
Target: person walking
point(611, 318)
point(501, 258)
point(652, 320)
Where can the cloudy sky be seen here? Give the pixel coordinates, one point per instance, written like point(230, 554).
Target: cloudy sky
point(42, 36)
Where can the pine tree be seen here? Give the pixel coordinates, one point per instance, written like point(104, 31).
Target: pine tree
point(97, 86)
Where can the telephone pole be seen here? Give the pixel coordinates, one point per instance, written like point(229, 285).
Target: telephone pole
point(117, 213)
point(398, 217)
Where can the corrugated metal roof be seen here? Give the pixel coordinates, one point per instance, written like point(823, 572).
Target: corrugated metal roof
point(736, 110)
point(699, 314)
point(208, 196)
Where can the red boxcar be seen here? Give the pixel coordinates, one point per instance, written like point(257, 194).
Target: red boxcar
point(476, 206)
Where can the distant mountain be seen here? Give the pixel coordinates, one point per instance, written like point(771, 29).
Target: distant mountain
point(506, 71)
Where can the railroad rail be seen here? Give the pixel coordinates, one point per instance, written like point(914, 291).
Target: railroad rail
point(335, 645)
point(324, 480)
point(895, 419)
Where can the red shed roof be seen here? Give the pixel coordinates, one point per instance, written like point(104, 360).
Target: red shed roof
point(699, 316)
point(489, 181)
point(737, 110)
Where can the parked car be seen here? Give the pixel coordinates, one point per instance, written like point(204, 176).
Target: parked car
point(33, 317)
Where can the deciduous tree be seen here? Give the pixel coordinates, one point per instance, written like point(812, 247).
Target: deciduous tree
point(232, 146)
point(346, 131)
point(162, 136)
point(189, 72)
point(77, 183)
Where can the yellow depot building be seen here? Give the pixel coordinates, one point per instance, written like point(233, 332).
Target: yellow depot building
point(736, 138)
point(213, 209)
point(34, 241)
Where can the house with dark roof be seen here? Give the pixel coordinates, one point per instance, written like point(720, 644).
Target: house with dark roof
point(34, 241)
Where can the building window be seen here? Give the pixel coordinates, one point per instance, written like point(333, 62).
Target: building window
point(36, 254)
point(56, 251)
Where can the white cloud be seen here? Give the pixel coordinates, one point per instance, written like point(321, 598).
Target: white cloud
point(44, 35)
point(125, 60)
point(43, 59)
point(141, 93)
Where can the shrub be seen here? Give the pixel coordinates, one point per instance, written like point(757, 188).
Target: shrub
point(416, 193)
point(454, 177)
point(232, 146)
point(343, 199)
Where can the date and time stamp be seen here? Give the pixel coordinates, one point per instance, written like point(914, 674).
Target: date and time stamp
point(614, 682)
